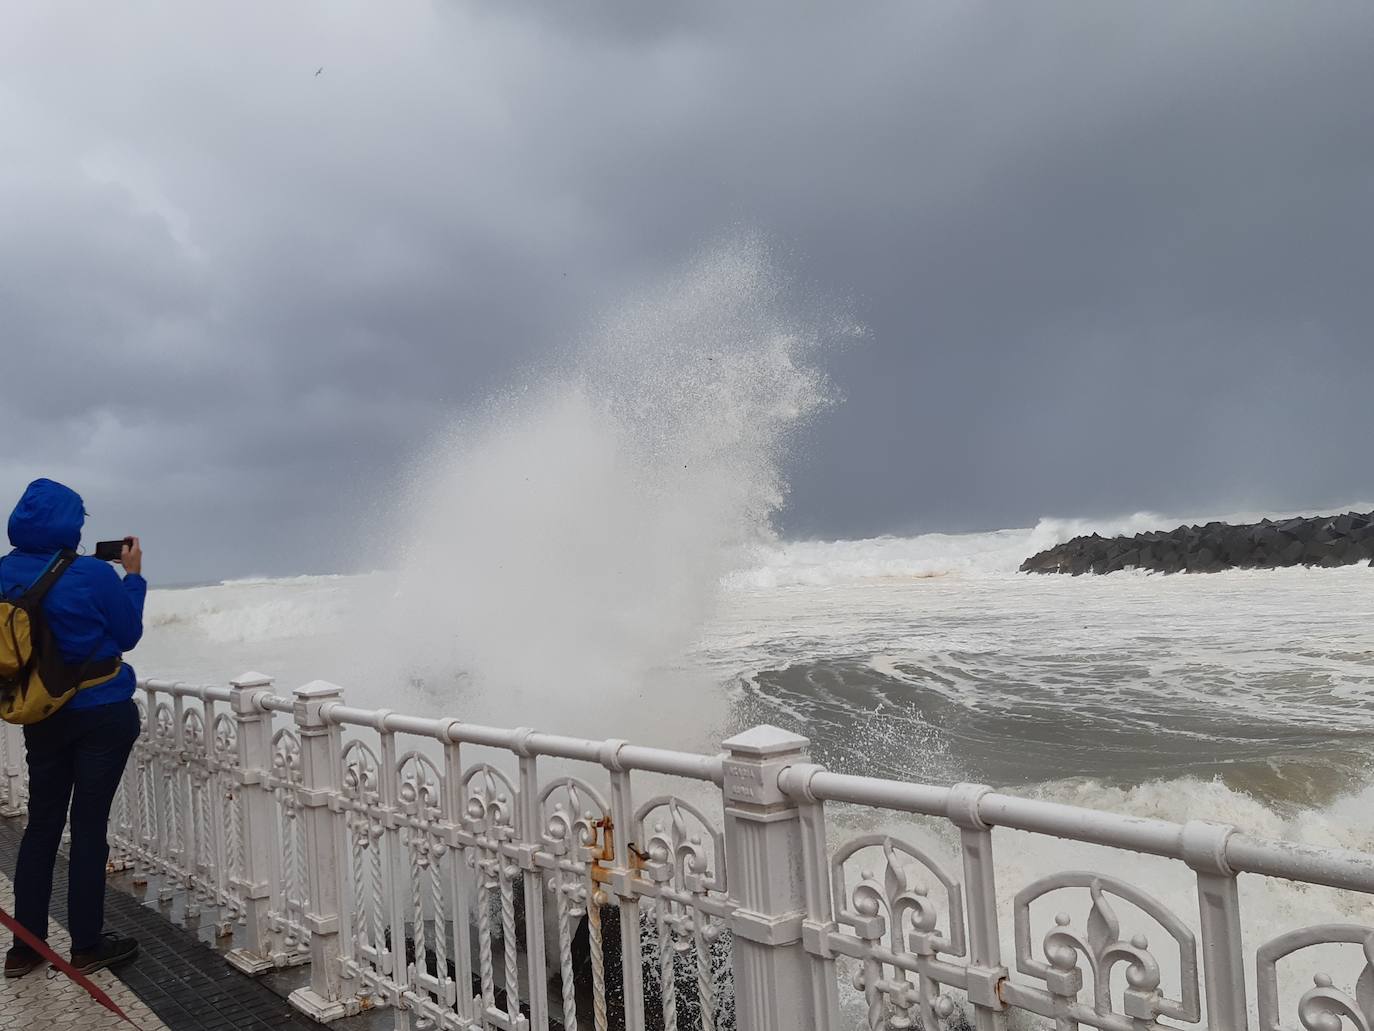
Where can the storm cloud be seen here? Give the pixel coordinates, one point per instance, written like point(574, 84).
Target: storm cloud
point(1109, 257)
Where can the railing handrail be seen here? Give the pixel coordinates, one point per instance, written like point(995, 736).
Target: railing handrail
point(1332, 867)
point(524, 741)
point(521, 740)
point(205, 692)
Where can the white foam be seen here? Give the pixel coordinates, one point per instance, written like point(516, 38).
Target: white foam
point(255, 610)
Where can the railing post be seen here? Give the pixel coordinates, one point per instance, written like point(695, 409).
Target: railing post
point(469, 1006)
point(322, 1001)
point(773, 990)
point(156, 845)
point(140, 763)
point(631, 939)
point(179, 849)
point(985, 971)
point(217, 833)
point(13, 803)
point(820, 921)
point(258, 838)
point(1223, 956)
point(530, 821)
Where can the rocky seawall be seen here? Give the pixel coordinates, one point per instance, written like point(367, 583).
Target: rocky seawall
point(1315, 541)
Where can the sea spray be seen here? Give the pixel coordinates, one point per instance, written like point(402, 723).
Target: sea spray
point(574, 535)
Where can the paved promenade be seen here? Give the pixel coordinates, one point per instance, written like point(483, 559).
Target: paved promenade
point(47, 999)
point(178, 982)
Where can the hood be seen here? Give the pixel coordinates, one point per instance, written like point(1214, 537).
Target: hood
point(48, 518)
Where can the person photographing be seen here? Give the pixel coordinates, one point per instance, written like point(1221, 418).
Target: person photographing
point(80, 720)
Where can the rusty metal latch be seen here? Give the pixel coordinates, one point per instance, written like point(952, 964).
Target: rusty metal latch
point(599, 873)
point(604, 859)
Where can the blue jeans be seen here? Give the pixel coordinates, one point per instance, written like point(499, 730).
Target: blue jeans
point(76, 758)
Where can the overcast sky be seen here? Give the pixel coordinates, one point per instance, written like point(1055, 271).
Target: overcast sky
point(1110, 257)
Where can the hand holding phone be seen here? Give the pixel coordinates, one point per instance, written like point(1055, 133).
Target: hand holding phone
point(111, 551)
point(127, 552)
point(132, 557)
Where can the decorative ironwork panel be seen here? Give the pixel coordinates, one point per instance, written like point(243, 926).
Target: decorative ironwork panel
point(683, 855)
point(1099, 947)
point(881, 890)
point(1323, 1007)
point(286, 916)
point(574, 815)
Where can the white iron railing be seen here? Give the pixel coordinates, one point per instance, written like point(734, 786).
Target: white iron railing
point(471, 877)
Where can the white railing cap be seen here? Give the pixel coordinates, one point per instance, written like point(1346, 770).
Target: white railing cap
point(765, 742)
point(317, 689)
point(251, 679)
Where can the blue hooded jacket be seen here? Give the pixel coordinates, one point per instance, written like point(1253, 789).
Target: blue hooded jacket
point(92, 612)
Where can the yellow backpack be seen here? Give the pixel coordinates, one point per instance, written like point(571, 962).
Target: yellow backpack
point(35, 680)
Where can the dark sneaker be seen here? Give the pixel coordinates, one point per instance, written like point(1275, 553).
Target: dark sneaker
point(20, 960)
point(113, 950)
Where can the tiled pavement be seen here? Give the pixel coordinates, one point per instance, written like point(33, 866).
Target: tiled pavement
point(178, 983)
point(45, 998)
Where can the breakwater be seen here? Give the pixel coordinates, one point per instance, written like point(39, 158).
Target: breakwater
point(1329, 541)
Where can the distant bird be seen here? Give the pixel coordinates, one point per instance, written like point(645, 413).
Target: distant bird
point(318, 70)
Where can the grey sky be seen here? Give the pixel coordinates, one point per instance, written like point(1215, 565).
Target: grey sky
point(1110, 257)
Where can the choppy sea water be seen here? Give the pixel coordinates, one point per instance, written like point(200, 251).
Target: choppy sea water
point(1263, 680)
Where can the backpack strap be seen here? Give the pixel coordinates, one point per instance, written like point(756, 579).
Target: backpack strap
point(61, 562)
point(94, 672)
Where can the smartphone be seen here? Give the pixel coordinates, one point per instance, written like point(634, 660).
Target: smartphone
point(111, 551)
